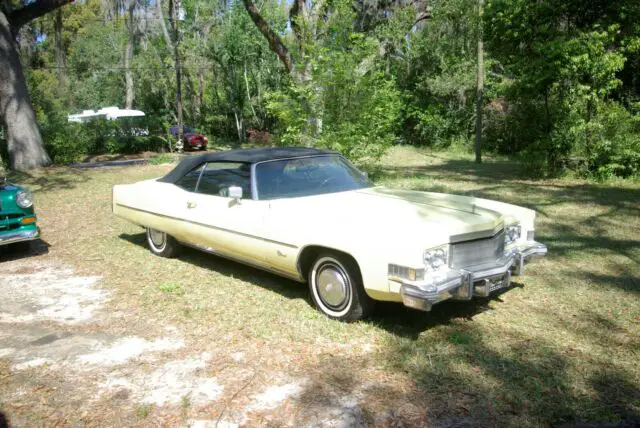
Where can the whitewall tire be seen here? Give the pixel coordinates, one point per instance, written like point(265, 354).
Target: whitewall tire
point(162, 244)
point(336, 288)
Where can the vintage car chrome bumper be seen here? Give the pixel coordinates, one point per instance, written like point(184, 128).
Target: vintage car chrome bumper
point(20, 236)
point(464, 284)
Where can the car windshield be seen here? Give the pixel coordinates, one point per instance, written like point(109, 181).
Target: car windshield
point(186, 129)
point(307, 176)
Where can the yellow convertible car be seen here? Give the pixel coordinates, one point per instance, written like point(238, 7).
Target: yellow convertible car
point(310, 215)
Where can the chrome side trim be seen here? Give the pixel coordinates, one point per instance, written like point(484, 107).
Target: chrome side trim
point(242, 260)
point(320, 155)
point(246, 235)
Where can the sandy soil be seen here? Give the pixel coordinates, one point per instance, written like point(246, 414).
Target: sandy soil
point(61, 363)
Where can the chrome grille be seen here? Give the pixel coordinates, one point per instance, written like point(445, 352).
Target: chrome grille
point(476, 252)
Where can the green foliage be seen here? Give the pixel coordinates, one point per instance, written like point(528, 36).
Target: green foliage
point(564, 62)
point(610, 143)
point(345, 102)
point(437, 73)
point(560, 87)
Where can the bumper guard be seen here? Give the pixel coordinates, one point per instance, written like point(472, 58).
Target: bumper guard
point(464, 284)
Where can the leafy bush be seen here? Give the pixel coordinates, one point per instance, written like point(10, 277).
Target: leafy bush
point(606, 146)
point(610, 143)
point(70, 142)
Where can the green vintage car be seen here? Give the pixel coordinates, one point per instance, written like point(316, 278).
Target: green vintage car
point(17, 216)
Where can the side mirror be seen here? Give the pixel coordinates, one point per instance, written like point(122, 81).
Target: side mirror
point(235, 192)
point(365, 175)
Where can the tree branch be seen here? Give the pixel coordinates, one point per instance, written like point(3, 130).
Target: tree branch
point(18, 18)
point(275, 43)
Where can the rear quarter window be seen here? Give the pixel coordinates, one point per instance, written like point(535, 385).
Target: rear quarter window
point(190, 180)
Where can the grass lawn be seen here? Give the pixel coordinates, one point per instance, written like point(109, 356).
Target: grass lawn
point(561, 346)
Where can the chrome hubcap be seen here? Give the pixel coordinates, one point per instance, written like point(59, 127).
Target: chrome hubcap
point(332, 286)
point(157, 237)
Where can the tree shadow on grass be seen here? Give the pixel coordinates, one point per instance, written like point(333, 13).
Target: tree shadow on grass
point(410, 323)
point(470, 382)
point(459, 377)
point(49, 179)
point(496, 177)
point(269, 281)
point(484, 172)
point(391, 316)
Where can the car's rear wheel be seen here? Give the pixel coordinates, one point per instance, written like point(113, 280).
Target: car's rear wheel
point(336, 288)
point(162, 244)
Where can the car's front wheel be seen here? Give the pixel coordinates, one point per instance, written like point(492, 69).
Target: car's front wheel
point(161, 244)
point(336, 288)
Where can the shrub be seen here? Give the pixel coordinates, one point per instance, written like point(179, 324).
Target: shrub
point(69, 142)
point(610, 143)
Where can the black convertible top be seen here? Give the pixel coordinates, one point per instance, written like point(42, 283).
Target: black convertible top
point(248, 156)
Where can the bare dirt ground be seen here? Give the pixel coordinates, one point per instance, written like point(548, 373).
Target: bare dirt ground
point(65, 359)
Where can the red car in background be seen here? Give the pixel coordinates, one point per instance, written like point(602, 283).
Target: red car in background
point(193, 140)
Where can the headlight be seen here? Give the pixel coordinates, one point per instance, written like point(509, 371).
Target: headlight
point(512, 233)
point(24, 199)
point(436, 258)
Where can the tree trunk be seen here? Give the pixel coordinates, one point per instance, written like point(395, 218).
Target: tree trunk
point(174, 7)
point(253, 110)
point(128, 59)
point(480, 89)
point(59, 50)
point(239, 125)
point(24, 141)
point(165, 32)
point(201, 88)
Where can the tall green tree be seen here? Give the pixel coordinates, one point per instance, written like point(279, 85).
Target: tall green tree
point(24, 142)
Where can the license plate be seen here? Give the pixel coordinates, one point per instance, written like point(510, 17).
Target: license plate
point(501, 283)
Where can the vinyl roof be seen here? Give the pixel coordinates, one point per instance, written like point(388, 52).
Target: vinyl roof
point(241, 155)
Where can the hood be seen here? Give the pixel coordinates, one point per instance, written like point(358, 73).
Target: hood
point(436, 217)
point(194, 135)
point(8, 198)
point(449, 215)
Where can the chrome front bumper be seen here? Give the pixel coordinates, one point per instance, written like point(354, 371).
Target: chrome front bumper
point(20, 236)
point(464, 284)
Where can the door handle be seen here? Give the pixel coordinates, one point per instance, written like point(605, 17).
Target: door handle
point(191, 205)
